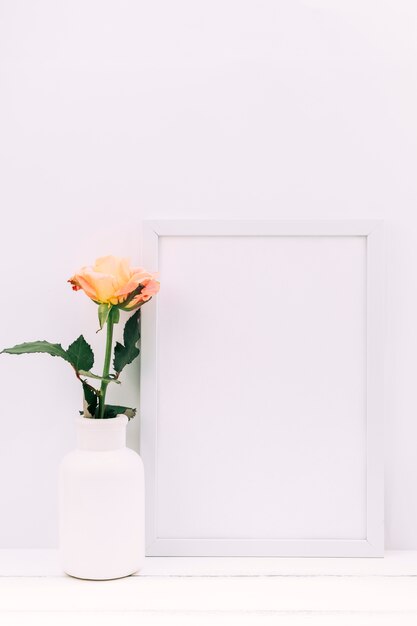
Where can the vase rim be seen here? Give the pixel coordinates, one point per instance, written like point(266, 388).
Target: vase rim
point(110, 422)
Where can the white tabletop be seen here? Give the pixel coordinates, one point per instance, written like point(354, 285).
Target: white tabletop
point(241, 591)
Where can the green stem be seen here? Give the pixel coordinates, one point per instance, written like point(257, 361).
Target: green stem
point(106, 368)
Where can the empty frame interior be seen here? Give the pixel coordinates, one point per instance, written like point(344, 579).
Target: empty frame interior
point(261, 421)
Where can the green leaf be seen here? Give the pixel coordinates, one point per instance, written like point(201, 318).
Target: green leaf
point(54, 349)
point(111, 410)
point(125, 354)
point(108, 379)
point(80, 354)
point(90, 400)
point(103, 314)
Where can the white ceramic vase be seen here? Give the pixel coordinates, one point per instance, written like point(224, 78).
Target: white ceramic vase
point(101, 503)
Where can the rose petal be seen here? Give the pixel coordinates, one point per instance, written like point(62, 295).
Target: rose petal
point(110, 281)
point(118, 267)
point(139, 278)
point(151, 288)
point(103, 285)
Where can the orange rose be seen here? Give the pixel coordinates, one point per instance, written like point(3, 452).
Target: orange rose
point(112, 281)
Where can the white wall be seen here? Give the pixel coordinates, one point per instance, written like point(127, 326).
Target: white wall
point(116, 111)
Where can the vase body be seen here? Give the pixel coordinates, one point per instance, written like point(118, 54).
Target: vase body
point(101, 503)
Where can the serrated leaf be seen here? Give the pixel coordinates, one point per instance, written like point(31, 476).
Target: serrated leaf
point(80, 354)
point(54, 349)
point(108, 379)
point(125, 354)
point(111, 410)
point(90, 400)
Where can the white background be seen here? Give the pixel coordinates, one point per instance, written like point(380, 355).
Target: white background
point(112, 112)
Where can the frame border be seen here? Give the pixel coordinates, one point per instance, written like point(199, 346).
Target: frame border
point(373, 544)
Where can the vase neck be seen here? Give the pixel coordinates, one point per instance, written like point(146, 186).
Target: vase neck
point(101, 434)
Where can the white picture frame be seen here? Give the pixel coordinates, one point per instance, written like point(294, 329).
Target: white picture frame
point(362, 239)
